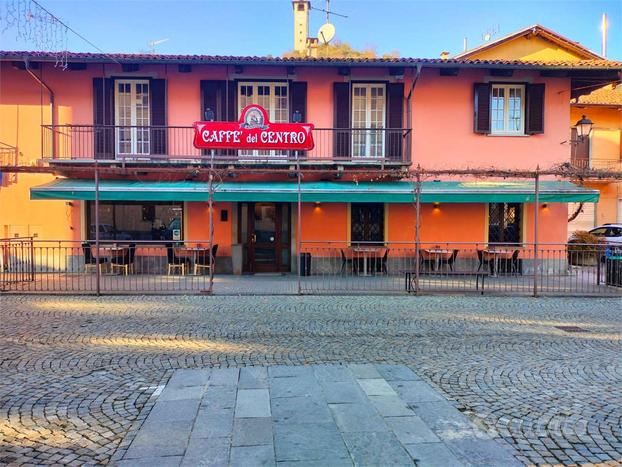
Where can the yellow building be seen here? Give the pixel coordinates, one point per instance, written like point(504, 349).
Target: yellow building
point(602, 105)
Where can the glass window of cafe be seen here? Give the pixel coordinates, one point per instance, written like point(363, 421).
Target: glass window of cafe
point(136, 220)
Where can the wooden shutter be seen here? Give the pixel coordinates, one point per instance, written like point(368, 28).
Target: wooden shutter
point(298, 102)
point(221, 98)
point(103, 118)
point(158, 116)
point(342, 139)
point(481, 108)
point(579, 150)
point(534, 105)
point(298, 99)
point(395, 121)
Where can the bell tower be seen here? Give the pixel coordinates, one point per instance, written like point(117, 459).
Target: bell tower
point(301, 24)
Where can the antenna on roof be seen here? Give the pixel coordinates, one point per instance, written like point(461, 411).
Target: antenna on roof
point(152, 44)
point(604, 25)
point(489, 33)
point(327, 11)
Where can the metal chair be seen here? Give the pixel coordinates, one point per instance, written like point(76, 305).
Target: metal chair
point(381, 264)
point(174, 262)
point(90, 261)
point(345, 261)
point(204, 259)
point(124, 262)
point(449, 261)
point(483, 261)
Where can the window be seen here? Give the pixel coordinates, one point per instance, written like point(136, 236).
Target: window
point(367, 222)
point(132, 111)
point(136, 220)
point(368, 112)
point(507, 109)
point(504, 222)
point(274, 97)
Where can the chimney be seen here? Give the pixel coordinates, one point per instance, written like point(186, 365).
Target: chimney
point(444, 55)
point(301, 24)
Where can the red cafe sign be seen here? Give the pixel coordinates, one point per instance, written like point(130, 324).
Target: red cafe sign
point(253, 131)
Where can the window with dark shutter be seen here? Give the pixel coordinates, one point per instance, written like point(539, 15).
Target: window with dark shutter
point(158, 116)
point(534, 118)
point(481, 120)
point(395, 121)
point(103, 118)
point(342, 139)
point(367, 222)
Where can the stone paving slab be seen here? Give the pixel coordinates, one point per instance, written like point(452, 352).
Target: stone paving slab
point(358, 414)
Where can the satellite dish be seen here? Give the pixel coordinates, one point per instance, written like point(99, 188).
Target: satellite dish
point(326, 33)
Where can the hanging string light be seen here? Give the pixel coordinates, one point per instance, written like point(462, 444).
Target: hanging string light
point(34, 25)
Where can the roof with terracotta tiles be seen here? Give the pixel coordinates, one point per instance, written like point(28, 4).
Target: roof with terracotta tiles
point(538, 30)
point(595, 64)
point(606, 95)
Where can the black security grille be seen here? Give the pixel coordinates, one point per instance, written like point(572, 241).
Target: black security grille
point(367, 222)
point(504, 220)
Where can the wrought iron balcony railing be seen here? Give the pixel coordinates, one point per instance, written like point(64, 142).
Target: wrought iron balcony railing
point(596, 163)
point(161, 144)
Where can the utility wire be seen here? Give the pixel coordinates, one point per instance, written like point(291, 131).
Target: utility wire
point(69, 28)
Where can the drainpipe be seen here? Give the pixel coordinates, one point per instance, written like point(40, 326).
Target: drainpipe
point(53, 116)
point(408, 108)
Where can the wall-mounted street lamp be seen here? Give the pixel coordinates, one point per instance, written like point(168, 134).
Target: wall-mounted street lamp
point(210, 116)
point(584, 128)
point(297, 116)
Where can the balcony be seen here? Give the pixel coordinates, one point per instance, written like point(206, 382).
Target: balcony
point(596, 163)
point(173, 145)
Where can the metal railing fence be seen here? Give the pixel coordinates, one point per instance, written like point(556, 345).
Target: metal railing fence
point(159, 144)
point(459, 267)
point(327, 267)
point(116, 267)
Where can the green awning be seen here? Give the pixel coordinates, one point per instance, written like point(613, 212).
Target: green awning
point(328, 192)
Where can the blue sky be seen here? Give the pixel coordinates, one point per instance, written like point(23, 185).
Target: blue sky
point(415, 28)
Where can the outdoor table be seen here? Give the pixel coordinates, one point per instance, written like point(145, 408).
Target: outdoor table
point(496, 254)
point(437, 254)
point(365, 252)
point(192, 252)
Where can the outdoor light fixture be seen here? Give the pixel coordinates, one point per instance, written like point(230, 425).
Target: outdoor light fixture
point(317, 204)
point(584, 128)
point(297, 116)
point(436, 205)
point(209, 115)
point(545, 205)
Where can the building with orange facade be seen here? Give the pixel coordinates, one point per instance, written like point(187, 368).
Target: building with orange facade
point(602, 149)
point(130, 116)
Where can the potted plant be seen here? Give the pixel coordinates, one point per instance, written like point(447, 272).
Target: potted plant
point(585, 249)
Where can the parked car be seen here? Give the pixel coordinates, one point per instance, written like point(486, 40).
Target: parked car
point(611, 233)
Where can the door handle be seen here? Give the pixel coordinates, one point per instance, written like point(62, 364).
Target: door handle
point(253, 238)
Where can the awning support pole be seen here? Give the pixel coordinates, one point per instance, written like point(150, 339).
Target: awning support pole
point(210, 202)
point(299, 223)
point(536, 211)
point(97, 263)
point(417, 226)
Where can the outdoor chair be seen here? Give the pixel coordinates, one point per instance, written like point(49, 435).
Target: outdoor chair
point(174, 262)
point(483, 262)
point(124, 262)
point(449, 261)
point(381, 263)
point(427, 263)
point(203, 260)
point(90, 261)
point(346, 263)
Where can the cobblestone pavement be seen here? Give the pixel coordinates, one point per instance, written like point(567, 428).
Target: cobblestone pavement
point(78, 373)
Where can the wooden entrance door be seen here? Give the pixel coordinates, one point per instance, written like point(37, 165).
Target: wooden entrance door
point(267, 227)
